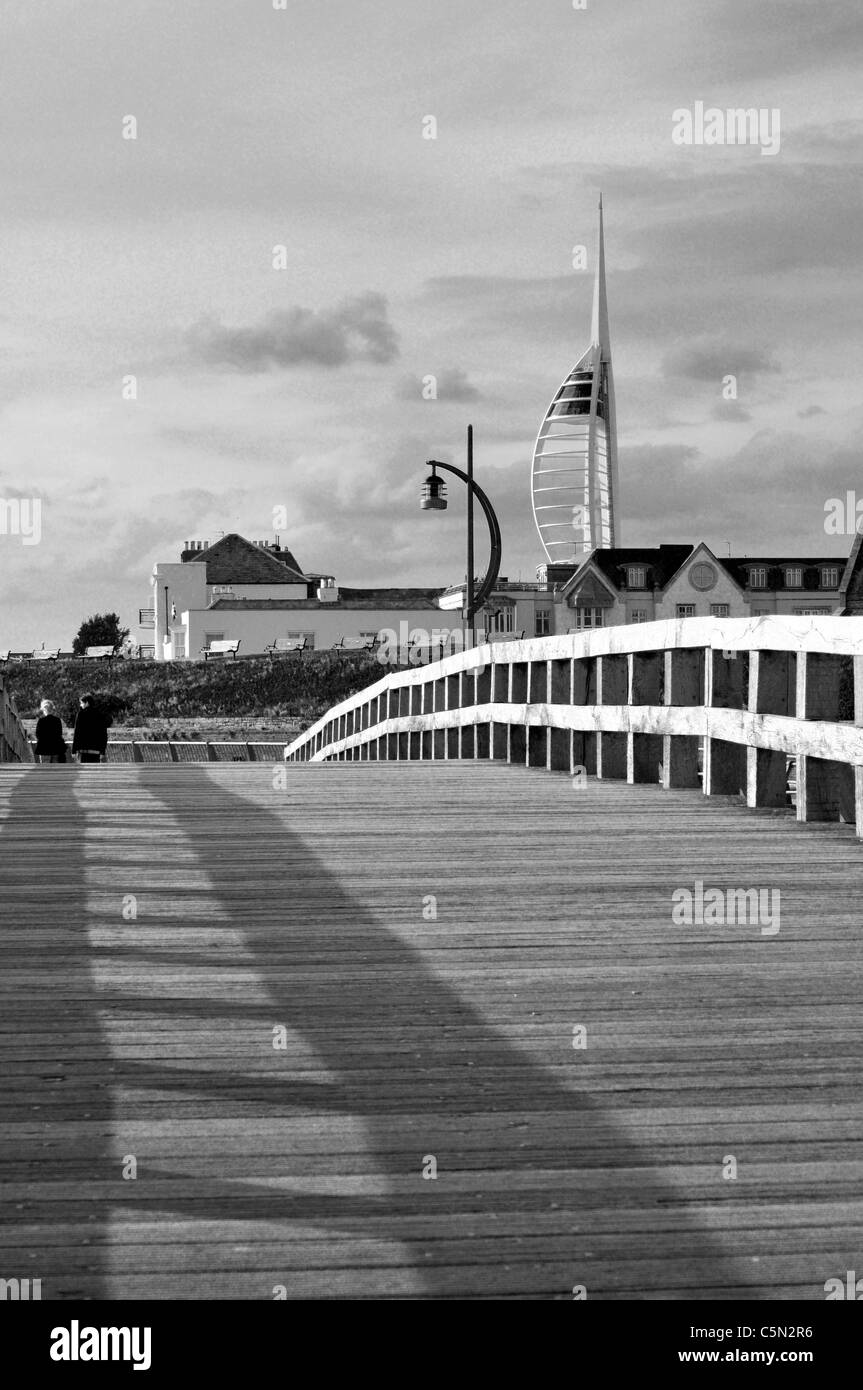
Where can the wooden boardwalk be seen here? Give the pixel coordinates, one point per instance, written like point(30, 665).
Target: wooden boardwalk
point(428, 937)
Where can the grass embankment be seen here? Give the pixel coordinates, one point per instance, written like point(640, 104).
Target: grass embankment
point(291, 690)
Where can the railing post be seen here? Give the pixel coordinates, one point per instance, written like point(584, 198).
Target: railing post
point(725, 762)
point(683, 684)
point(643, 685)
point(766, 769)
point(825, 789)
point(612, 676)
point(858, 720)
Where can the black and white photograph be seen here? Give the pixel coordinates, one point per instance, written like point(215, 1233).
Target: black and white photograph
point(431, 666)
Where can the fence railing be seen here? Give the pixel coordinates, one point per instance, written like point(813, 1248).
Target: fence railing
point(723, 705)
point(193, 751)
point(14, 743)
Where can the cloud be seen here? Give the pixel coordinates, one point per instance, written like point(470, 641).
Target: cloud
point(774, 37)
point(452, 384)
point(767, 497)
point(710, 361)
point(730, 412)
point(356, 330)
point(809, 411)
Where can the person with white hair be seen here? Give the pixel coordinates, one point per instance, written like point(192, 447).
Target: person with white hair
point(50, 744)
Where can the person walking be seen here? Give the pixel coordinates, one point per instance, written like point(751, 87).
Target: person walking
point(50, 744)
point(90, 740)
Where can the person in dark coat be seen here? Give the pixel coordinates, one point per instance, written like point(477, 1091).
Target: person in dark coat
point(90, 740)
point(50, 744)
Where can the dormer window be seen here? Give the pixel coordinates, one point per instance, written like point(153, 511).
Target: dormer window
point(636, 577)
point(830, 578)
point(758, 577)
point(794, 577)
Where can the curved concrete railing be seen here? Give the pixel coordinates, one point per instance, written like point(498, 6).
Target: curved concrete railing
point(14, 743)
point(636, 702)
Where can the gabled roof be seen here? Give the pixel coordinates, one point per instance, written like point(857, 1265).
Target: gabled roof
point(589, 582)
point(663, 561)
point(851, 583)
point(666, 562)
point(591, 590)
point(234, 560)
point(703, 549)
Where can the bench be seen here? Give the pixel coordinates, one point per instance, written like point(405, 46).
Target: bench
point(357, 644)
point(43, 655)
point(223, 647)
point(283, 645)
point(439, 645)
point(98, 654)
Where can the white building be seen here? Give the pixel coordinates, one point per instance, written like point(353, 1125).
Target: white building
point(235, 590)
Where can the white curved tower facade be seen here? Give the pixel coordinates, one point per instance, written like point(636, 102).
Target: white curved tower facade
point(574, 477)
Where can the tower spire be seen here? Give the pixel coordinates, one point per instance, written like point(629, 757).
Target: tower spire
point(574, 479)
point(599, 331)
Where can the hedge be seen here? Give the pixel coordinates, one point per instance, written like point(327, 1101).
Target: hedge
point(298, 687)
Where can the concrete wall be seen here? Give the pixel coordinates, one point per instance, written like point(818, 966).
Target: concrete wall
point(258, 591)
point(681, 591)
point(189, 591)
point(187, 588)
point(659, 606)
point(258, 628)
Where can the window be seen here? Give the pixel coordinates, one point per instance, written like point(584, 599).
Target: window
point(758, 577)
point(686, 610)
point(587, 617)
point(802, 612)
point(830, 579)
point(211, 637)
point(794, 577)
point(638, 615)
point(760, 612)
point(702, 576)
point(719, 610)
point(298, 637)
point(636, 577)
point(501, 620)
point(178, 643)
point(542, 622)
point(369, 636)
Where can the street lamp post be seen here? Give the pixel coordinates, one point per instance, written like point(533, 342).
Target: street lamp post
point(469, 608)
point(433, 497)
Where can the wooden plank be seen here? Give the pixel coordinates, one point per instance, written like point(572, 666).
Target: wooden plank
point(430, 944)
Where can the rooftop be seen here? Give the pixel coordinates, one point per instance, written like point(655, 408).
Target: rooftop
point(234, 560)
point(375, 599)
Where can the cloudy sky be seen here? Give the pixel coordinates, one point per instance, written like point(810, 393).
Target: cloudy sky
point(301, 387)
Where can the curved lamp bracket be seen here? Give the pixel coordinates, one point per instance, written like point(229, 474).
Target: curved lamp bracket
point(493, 570)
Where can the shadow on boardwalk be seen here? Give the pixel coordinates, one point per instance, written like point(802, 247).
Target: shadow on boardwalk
point(56, 1094)
point(374, 1014)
